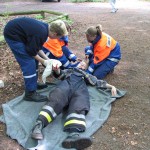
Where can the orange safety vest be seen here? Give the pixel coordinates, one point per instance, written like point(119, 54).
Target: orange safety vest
point(54, 46)
point(103, 47)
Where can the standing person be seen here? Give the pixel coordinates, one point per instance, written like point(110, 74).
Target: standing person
point(25, 37)
point(103, 54)
point(113, 6)
point(74, 98)
point(58, 49)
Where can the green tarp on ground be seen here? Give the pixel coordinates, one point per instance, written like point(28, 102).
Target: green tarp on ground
point(20, 116)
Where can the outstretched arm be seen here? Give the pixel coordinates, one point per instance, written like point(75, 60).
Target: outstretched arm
point(104, 84)
point(113, 89)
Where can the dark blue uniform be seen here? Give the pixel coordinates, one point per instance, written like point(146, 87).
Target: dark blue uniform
point(25, 37)
point(70, 93)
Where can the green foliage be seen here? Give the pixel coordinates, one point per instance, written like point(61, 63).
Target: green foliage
point(39, 16)
point(1, 38)
point(70, 22)
point(2, 24)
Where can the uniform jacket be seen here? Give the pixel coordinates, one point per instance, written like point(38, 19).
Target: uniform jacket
point(88, 78)
point(103, 48)
point(55, 45)
point(59, 49)
point(31, 32)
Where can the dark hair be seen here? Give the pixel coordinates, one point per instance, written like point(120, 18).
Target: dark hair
point(92, 31)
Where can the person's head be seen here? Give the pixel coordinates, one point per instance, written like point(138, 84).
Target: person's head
point(57, 29)
point(82, 65)
point(92, 32)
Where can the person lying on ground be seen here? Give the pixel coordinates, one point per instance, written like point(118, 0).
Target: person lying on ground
point(70, 95)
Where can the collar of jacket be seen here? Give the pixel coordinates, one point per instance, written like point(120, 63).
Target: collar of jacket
point(96, 40)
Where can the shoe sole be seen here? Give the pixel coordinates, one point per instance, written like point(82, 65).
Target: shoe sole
point(37, 136)
point(41, 87)
point(78, 144)
point(32, 100)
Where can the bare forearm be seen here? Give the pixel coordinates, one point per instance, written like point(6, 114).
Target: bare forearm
point(40, 59)
point(108, 86)
point(43, 55)
point(113, 89)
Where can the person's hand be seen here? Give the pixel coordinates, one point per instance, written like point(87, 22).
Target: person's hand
point(47, 62)
point(113, 91)
point(50, 64)
point(47, 70)
point(56, 64)
point(79, 59)
point(86, 57)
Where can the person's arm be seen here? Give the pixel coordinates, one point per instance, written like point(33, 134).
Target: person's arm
point(113, 89)
point(40, 59)
point(56, 63)
point(88, 51)
point(104, 84)
point(91, 68)
point(43, 55)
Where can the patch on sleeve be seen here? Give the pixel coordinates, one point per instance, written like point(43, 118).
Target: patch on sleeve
point(108, 41)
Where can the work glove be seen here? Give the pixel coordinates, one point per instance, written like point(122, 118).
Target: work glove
point(47, 62)
point(50, 65)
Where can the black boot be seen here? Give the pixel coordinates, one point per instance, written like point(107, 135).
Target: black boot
point(77, 142)
point(41, 86)
point(34, 96)
point(37, 131)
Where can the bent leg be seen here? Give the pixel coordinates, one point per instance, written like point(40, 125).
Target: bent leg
point(58, 99)
point(104, 69)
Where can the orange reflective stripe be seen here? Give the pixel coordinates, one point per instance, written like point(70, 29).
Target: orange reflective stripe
point(54, 46)
point(103, 48)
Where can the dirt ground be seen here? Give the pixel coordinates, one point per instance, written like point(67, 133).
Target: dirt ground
point(128, 127)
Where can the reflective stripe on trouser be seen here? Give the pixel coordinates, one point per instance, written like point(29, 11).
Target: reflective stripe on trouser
point(70, 98)
point(47, 115)
point(26, 62)
point(75, 121)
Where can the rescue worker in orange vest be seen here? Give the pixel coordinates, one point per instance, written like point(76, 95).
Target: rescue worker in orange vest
point(58, 49)
point(103, 54)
